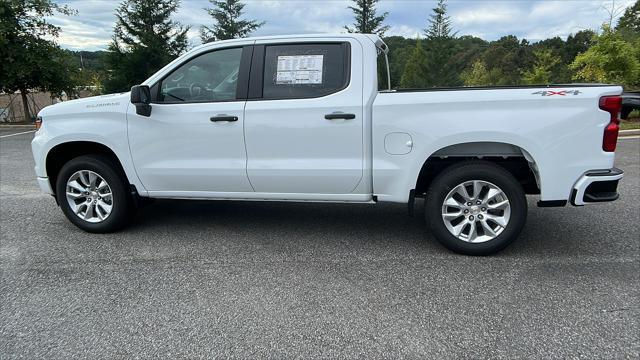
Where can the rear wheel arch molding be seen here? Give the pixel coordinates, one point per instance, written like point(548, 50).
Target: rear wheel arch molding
point(514, 158)
point(63, 152)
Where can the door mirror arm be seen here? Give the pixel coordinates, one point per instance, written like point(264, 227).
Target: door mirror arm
point(141, 98)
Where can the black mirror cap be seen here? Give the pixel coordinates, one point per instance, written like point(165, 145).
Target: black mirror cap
point(141, 98)
point(140, 95)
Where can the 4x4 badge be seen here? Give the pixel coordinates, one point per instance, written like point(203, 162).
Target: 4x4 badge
point(561, 92)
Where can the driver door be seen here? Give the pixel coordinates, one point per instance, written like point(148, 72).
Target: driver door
point(193, 142)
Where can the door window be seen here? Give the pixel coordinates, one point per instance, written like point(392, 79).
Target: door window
point(210, 77)
point(305, 70)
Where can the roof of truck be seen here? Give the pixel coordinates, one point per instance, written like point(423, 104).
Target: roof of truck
point(372, 37)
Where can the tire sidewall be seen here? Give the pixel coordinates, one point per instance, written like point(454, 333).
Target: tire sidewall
point(494, 174)
point(103, 167)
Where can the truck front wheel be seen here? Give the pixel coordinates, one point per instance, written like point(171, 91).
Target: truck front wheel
point(93, 195)
point(476, 208)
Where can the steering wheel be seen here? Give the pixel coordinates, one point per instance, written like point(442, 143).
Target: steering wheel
point(195, 89)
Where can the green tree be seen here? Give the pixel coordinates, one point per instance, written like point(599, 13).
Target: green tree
point(479, 75)
point(576, 44)
point(30, 60)
point(468, 50)
point(227, 23)
point(144, 40)
point(412, 77)
point(399, 51)
point(367, 21)
point(543, 67)
point(441, 67)
point(630, 20)
point(611, 59)
point(510, 57)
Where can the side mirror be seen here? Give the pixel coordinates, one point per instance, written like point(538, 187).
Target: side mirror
point(141, 98)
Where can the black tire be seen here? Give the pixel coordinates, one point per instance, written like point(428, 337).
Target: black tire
point(123, 208)
point(467, 171)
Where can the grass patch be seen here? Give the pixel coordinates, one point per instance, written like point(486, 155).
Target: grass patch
point(632, 123)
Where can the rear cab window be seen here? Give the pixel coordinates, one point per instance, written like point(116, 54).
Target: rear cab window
point(307, 70)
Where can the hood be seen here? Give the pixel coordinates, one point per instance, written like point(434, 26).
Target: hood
point(102, 103)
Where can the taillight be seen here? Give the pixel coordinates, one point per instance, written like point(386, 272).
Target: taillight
point(612, 105)
point(38, 122)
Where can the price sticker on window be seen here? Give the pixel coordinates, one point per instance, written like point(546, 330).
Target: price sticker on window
point(299, 69)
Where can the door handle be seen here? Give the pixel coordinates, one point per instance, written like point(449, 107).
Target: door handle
point(338, 115)
point(224, 118)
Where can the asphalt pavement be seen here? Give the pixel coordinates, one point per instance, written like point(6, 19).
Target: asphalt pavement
point(283, 280)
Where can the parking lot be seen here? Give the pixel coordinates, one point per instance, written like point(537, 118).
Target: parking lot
point(281, 280)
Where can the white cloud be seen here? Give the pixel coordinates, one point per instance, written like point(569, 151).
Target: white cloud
point(92, 28)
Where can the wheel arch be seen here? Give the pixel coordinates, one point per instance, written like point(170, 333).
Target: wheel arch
point(62, 153)
point(512, 158)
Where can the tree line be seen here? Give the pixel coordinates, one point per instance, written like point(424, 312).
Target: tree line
point(146, 37)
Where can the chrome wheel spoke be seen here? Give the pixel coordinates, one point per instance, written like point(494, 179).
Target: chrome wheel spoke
point(78, 209)
point(500, 220)
point(84, 177)
point(477, 188)
point(89, 213)
point(92, 179)
point(452, 216)
point(499, 205)
point(452, 203)
point(104, 206)
point(487, 229)
point(457, 230)
point(493, 192)
point(462, 190)
point(75, 195)
point(473, 232)
point(76, 186)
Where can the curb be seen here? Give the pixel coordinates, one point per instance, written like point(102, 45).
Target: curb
point(633, 132)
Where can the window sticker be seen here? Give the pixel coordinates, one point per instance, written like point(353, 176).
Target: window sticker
point(299, 69)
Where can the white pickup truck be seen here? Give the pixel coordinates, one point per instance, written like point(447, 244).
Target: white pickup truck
point(311, 118)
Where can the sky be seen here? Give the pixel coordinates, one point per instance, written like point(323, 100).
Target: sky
point(92, 27)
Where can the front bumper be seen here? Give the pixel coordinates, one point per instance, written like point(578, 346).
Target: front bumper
point(596, 186)
point(45, 186)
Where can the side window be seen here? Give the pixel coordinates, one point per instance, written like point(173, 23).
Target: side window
point(305, 70)
point(212, 76)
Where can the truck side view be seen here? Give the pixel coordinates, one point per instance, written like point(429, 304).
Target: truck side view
point(312, 118)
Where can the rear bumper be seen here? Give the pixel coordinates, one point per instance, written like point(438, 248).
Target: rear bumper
point(596, 186)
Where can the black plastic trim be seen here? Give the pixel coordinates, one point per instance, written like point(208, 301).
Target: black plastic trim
point(602, 197)
point(601, 191)
point(411, 203)
point(606, 172)
point(574, 193)
point(552, 203)
point(242, 88)
point(257, 70)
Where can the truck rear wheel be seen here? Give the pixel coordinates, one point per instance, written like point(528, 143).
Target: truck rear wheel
point(476, 208)
point(93, 195)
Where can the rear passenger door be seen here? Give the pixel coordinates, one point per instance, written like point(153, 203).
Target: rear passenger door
point(303, 118)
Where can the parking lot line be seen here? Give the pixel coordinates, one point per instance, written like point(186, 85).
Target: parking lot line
point(20, 133)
